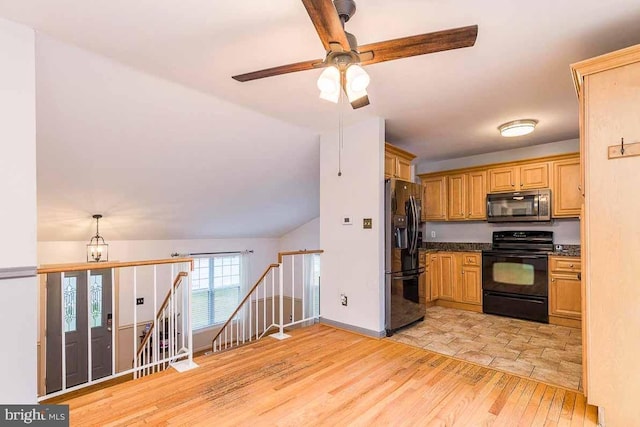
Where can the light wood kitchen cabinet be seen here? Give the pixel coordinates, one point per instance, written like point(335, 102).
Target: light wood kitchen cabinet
point(424, 294)
point(515, 178)
point(533, 176)
point(456, 207)
point(477, 195)
point(471, 279)
point(457, 276)
point(434, 198)
point(566, 195)
point(467, 196)
point(503, 179)
point(434, 277)
point(397, 163)
point(447, 272)
point(565, 288)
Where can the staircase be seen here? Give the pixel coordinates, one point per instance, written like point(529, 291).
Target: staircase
point(165, 338)
point(271, 303)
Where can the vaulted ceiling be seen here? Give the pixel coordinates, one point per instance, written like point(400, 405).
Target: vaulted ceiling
point(439, 106)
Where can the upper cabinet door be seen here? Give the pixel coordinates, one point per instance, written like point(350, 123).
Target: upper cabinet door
point(457, 197)
point(503, 179)
point(534, 176)
point(566, 193)
point(434, 199)
point(389, 165)
point(403, 169)
point(477, 195)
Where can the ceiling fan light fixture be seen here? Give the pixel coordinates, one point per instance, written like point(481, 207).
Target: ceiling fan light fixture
point(329, 84)
point(357, 78)
point(355, 95)
point(517, 128)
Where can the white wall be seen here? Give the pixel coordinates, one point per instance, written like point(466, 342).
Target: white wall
point(354, 258)
point(565, 231)
point(307, 236)
point(265, 253)
point(18, 304)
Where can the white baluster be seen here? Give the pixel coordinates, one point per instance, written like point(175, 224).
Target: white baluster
point(114, 321)
point(303, 281)
point(293, 288)
point(63, 333)
point(135, 320)
point(88, 307)
point(273, 296)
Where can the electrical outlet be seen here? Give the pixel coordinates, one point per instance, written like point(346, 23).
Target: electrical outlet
point(139, 301)
point(433, 234)
point(343, 299)
point(290, 318)
point(346, 220)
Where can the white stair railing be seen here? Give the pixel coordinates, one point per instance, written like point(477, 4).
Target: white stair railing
point(164, 342)
point(286, 294)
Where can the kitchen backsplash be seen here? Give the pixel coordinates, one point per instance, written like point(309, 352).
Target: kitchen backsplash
point(565, 231)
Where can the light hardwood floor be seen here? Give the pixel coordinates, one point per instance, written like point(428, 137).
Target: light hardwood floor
point(325, 376)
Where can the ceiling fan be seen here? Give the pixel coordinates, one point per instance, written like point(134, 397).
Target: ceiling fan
point(344, 57)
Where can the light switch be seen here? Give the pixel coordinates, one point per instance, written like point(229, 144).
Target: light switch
point(367, 223)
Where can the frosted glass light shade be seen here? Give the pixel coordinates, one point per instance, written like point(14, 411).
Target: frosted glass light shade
point(357, 78)
point(517, 128)
point(329, 84)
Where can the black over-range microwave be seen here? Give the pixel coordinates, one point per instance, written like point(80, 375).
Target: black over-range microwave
point(521, 206)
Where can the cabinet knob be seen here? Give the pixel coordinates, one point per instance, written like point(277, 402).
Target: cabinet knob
point(553, 279)
point(513, 185)
point(571, 265)
point(521, 185)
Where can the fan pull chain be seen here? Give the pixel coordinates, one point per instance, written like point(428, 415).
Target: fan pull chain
point(340, 133)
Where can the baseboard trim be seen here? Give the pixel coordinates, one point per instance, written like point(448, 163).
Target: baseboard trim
point(459, 305)
point(352, 328)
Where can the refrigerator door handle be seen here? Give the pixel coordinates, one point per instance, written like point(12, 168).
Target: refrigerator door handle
point(414, 237)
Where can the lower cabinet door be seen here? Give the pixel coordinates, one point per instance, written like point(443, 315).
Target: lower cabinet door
point(471, 289)
point(565, 299)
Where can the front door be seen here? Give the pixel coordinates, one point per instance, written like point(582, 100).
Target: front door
point(75, 305)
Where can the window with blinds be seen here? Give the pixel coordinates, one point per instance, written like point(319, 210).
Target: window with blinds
point(215, 289)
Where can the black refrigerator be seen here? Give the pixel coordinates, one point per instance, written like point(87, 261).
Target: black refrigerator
point(402, 267)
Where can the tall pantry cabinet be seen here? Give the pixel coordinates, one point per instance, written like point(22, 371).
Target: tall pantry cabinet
point(608, 90)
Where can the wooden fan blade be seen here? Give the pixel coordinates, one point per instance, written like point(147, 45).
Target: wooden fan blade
point(327, 22)
point(283, 69)
point(405, 47)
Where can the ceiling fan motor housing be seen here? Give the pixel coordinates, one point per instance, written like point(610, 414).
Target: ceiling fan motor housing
point(345, 8)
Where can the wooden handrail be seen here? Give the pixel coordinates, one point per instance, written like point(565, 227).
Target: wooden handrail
point(244, 300)
point(63, 268)
point(283, 254)
point(176, 282)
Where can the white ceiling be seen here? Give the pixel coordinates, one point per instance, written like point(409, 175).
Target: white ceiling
point(438, 106)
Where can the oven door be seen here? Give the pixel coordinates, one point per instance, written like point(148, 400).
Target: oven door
point(515, 273)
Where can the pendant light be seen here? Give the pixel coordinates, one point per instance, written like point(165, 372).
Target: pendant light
point(97, 249)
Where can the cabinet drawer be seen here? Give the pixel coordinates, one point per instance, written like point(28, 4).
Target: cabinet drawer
point(564, 264)
point(471, 259)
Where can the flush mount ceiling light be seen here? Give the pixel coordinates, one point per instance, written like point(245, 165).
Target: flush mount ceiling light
point(97, 249)
point(517, 128)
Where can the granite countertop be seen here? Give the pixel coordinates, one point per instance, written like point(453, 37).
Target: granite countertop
point(455, 247)
point(567, 250)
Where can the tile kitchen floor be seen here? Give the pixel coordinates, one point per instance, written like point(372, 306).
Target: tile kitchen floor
point(548, 353)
